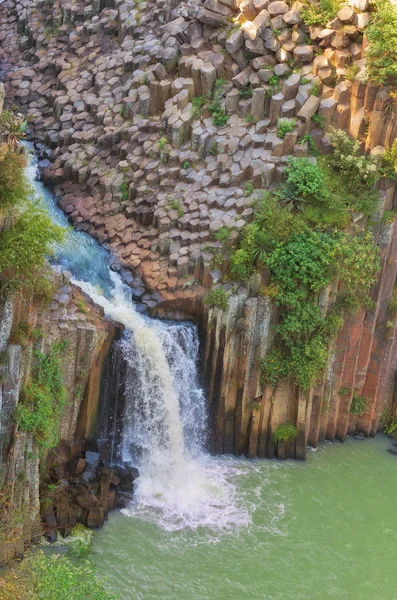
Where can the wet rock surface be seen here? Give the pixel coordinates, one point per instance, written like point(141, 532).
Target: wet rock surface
point(84, 490)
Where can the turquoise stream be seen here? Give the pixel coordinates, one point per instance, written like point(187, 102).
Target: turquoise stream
point(326, 528)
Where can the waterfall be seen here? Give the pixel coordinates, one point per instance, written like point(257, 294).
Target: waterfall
point(163, 419)
point(164, 416)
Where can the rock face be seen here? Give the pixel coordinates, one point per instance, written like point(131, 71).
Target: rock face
point(116, 92)
point(88, 336)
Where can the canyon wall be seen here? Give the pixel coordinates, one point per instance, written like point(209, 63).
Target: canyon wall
point(27, 329)
point(137, 162)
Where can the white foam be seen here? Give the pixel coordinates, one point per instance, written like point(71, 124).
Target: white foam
point(179, 485)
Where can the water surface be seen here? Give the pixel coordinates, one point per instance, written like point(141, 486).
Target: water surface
point(326, 528)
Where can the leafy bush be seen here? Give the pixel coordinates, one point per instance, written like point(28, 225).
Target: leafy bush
point(389, 422)
point(302, 262)
point(241, 266)
point(381, 54)
point(351, 72)
point(124, 189)
point(285, 432)
point(315, 91)
point(23, 251)
point(59, 578)
point(318, 120)
point(217, 298)
point(223, 234)
point(306, 178)
point(246, 92)
point(304, 183)
point(344, 391)
point(274, 86)
point(248, 188)
point(359, 405)
point(163, 141)
point(285, 126)
point(392, 308)
point(198, 104)
point(358, 171)
point(389, 162)
point(14, 188)
point(12, 131)
point(43, 399)
point(321, 12)
point(274, 368)
point(219, 115)
point(80, 541)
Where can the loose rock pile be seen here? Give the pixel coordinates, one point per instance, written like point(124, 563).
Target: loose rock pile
point(84, 492)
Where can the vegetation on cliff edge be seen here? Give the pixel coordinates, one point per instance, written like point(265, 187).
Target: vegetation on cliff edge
point(300, 244)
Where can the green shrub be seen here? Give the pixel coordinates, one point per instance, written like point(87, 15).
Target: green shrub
point(23, 251)
point(285, 126)
point(389, 216)
point(198, 104)
point(389, 162)
point(310, 143)
point(223, 234)
point(381, 54)
point(217, 298)
point(304, 183)
point(285, 432)
point(351, 72)
point(344, 391)
point(302, 262)
point(219, 115)
point(124, 189)
point(318, 120)
point(241, 266)
point(60, 578)
point(80, 541)
point(163, 142)
point(248, 188)
point(315, 91)
point(43, 399)
point(14, 188)
point(389, 422)
point(321, 12)
point(274, 368)
point(359, 405)
point(12, 131)
point(357, 171)
point(246, 92)
point(274, 86)
point(175, 204)
point(392, 308)
point(213, 149)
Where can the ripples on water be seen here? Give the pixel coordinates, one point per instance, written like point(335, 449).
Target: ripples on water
point(319, 530)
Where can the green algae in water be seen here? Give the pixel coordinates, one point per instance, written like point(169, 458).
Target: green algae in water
point(326, 528)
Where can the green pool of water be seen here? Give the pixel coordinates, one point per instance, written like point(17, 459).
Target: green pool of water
point(326, 528)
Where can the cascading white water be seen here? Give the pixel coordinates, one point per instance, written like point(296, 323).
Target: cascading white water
point(164, 423)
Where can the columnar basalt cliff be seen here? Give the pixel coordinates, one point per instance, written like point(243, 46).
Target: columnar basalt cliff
point(117, 93)
point(27, 330)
